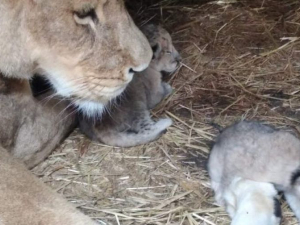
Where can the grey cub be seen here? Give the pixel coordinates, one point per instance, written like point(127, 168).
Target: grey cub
point(257, 152)
point(127, 121)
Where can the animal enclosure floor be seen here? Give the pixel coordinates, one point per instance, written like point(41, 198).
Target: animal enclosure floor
point(241, 60)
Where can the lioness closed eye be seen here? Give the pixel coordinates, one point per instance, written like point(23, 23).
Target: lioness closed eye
point(80, 46)
point(128, 123)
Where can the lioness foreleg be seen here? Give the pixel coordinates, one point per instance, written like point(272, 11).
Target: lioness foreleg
point(25, 200)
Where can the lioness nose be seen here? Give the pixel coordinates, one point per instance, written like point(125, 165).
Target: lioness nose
point(138, 68)
point(134, 70)
point(129, 72)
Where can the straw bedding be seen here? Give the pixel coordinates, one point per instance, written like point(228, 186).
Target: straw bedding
point(241, 60)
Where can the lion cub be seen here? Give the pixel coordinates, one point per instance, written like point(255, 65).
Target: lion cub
point(127, 121)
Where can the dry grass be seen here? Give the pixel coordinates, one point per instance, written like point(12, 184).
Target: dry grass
point(241, 60)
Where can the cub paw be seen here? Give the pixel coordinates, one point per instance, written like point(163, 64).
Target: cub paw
point(163, 124)
point(167, 89)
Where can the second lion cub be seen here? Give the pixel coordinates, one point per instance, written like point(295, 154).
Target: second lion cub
point(127, 121)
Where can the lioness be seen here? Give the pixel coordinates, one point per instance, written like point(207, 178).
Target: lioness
point(89, 51)
point(128, 123)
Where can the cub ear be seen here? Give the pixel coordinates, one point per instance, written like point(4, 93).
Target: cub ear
point(156, 50)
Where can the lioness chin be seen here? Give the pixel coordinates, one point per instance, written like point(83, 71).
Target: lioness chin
point(88, 50)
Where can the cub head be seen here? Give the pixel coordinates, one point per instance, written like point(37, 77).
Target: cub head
point(165, 57)
point(88, 49)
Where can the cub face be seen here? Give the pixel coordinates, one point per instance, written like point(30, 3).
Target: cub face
point(88, 49)
point(165, 56)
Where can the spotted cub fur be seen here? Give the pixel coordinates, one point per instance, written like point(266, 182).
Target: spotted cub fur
point(127, 121)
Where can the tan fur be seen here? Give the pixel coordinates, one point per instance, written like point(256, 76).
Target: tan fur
point(127, 122)
point(87, 59)
point(25, 200)
point(29, 129)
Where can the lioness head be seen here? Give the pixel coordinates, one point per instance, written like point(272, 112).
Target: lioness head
point(88, 49)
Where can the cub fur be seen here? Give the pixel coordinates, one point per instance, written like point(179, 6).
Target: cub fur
point(249, 202)
point(127, 122)
point(257, 152)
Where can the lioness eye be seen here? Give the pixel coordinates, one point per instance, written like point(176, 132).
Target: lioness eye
point(82, 16)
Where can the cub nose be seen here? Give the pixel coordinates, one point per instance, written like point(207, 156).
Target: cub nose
point(178, 59)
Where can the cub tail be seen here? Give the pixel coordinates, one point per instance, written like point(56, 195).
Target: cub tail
point(141, 134)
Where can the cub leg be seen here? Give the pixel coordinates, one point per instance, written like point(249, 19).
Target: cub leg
point(27, 200)
point(158, 93)
point(167, 89)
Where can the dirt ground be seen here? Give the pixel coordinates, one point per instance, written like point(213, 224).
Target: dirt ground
point(241, 60)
